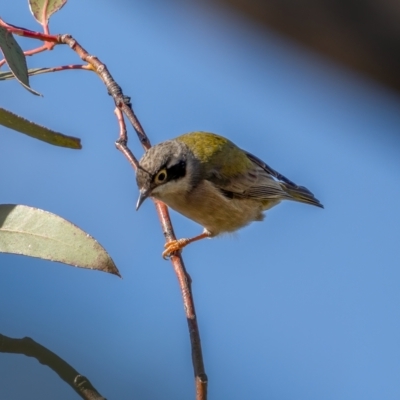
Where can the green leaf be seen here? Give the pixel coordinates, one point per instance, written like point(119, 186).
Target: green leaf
point(13, 121)
point(6, 75)
point(37, 233)
point(15, 58)
point(42, 10)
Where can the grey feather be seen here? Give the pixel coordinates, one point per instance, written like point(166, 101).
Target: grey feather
point(262, 183)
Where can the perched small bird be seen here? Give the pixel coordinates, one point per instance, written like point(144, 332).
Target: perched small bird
point(210, 180)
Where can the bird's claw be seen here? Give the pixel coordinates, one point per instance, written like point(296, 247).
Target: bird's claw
point(173, 247)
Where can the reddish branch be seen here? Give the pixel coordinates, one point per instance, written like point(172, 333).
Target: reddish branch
point(16, 30)
point(49, 40)
point(184, 279)
point(30, 52)
point(124, 107)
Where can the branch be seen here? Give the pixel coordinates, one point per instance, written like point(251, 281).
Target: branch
point(124, 106)
point(183, 277)
point(37, 71)
point(49, 40)
point(16, 30)
point(30, 348)
point(29, 53)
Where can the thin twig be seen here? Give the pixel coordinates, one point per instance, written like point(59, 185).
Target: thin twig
point(179, 268)
point(123, 103)
point(36, 50)
point(49, 40)
point(183, 277)
point(66, 372)
point(121, 142)
point(37, 71)
point(16, 30)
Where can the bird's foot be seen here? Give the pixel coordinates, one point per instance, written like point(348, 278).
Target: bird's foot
point(174, 246)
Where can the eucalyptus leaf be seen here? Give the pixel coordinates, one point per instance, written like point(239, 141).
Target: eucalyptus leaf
point(17, 123)
point(42, 10)
point(7, 75)
point(15, 58)
point(37, 233)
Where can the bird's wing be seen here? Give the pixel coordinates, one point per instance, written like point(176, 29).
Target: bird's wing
point(259, 181)
point(293, 191)
point(254, 181)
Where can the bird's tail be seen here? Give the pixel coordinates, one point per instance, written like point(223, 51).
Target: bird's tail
point(301, 194)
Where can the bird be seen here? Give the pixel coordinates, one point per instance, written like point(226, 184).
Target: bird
point(210, 180)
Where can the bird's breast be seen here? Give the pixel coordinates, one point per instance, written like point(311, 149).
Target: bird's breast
point(206, 205)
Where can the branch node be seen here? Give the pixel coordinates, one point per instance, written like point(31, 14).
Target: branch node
point(100, 68)
point(203, 378)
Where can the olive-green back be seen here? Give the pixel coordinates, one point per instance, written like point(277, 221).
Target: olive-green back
point(217, 153)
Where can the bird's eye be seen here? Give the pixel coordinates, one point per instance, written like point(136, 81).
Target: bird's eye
point(161, 176)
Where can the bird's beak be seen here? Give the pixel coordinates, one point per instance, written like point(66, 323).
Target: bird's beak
point(143, 195)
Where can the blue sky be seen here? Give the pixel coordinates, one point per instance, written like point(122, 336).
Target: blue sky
point(302, 306)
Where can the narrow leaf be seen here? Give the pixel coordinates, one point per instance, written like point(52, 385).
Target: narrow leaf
point(15, 58)
point(37, 233)
point(6, 75)
point(42, 10)
point(13, 121)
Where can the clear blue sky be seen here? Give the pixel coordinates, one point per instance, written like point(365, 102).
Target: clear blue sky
point(303, 306)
